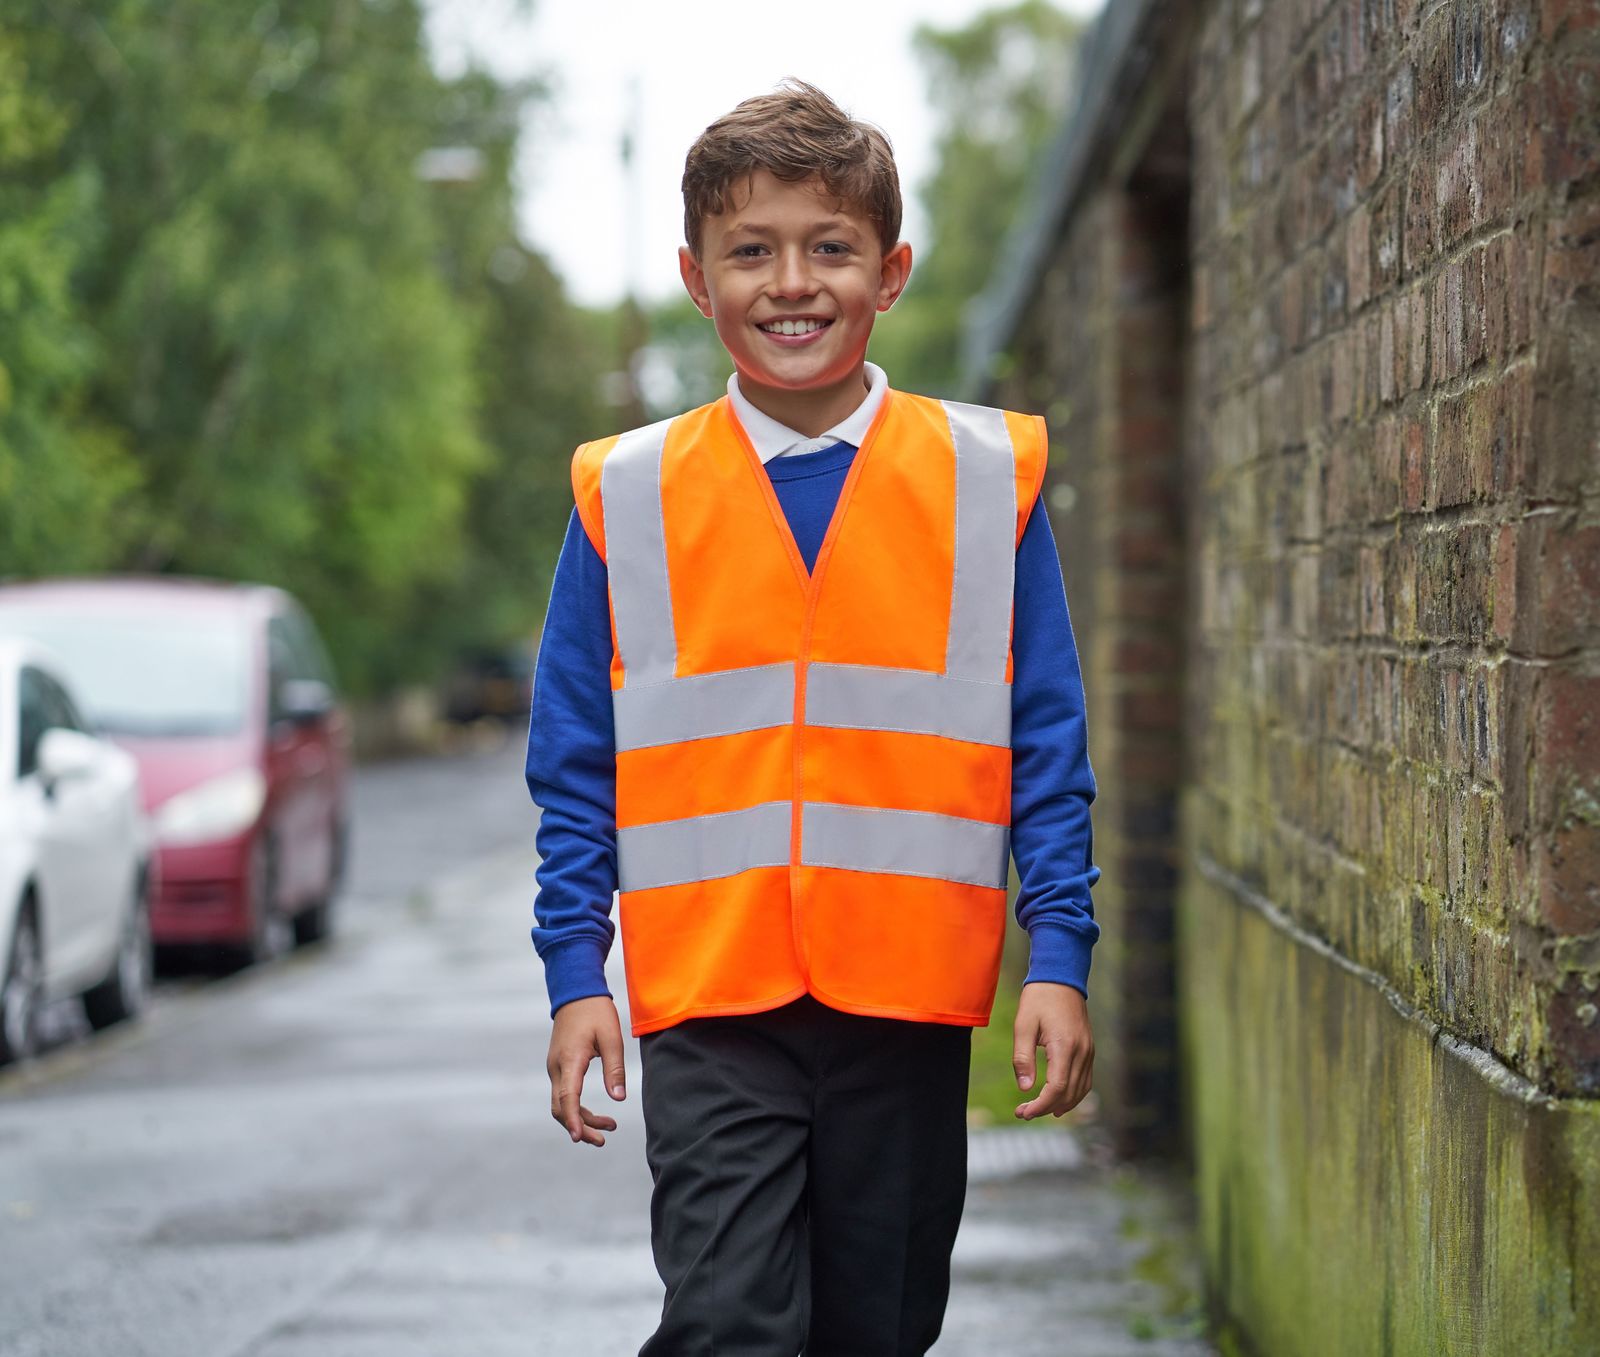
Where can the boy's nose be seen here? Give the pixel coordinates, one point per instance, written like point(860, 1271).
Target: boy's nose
point(792, 275)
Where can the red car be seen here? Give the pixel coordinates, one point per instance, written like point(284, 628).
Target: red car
point(224, 695)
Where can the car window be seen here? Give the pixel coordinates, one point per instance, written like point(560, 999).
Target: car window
point(59, 707)
point(310, 655)
point(33, 719)
point(140, 671)
point(282, 665)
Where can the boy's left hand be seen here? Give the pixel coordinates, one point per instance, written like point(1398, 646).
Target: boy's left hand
point(1057, 1018)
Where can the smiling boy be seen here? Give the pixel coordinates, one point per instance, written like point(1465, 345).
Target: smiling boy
point(807, 680)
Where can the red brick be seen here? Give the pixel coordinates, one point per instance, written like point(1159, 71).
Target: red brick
point(1574, 1028)
point(1399, 112)
point(1147, 655)
point(1438, 331)
point(1567, 742)
point(1569, 878)
point(1569, 597)
point(1568, 105)
point(1455, 320)
point(1568, 16)
point(1417, 369)
point(1151, 709)
point(1473, 308)
point(1435, 68)
point(1416, 465)
point(1418, 243)
point(1387, 462)
point(1572, 252)
point(1453, 171)
point(1495, 171)
point(1357, 244)
point(1386, 355)
point(1504, 617)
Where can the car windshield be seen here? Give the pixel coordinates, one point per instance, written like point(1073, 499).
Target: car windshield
point(147, 674)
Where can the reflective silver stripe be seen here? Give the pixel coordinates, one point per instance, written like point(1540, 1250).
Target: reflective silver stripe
point(701, 705)
point(703, 847)
point(905, 843)
point(866, 697)
point(636, 555)
point(985, 547)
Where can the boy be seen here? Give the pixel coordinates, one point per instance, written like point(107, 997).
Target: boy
point(807, 675)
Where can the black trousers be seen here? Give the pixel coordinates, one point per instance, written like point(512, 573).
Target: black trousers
point(810, 1170)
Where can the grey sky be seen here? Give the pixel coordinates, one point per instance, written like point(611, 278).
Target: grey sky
point(694, 60)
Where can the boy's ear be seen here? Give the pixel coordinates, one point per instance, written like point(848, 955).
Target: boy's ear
point(694, 279)
point(895, 273)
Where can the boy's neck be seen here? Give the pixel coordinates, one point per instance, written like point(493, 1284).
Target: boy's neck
point(814, 410)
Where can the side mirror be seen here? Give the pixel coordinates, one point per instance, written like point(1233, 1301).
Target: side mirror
point(304, 700)
point(66, 753)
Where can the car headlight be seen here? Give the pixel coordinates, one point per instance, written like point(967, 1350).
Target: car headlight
point(217, 809)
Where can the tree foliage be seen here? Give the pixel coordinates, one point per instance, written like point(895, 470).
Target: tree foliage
point(244, 337)
point(1000, 85)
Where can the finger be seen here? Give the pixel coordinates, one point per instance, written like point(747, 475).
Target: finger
point(1071, 1084)
point(1022, 1057)
point(1044, 1102)
point(1055, 1081)
point(611, 1062)
point(591, 1124)
point(1079, 1073)
point(597, 1120)
point(571, 1092)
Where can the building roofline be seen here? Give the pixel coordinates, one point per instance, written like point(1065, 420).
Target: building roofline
point(1115, 55)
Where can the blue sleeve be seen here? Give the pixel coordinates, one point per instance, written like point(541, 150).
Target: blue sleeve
point(571, 773)
point(1052, 784)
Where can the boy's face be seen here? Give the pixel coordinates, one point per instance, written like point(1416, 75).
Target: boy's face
point(789, 252)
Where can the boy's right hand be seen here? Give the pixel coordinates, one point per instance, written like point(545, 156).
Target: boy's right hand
point(584, 1029)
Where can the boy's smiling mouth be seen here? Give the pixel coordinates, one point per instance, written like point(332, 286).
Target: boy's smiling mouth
point(796, 330)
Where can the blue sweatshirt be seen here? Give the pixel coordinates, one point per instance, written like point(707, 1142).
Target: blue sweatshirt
point(571, 764)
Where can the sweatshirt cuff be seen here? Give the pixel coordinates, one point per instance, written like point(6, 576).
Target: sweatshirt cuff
point(575, 970)
point(1059, 955)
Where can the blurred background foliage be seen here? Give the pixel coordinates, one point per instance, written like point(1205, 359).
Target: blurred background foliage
point(265, 314)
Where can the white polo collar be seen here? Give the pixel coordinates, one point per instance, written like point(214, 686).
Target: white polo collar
point(771, 439)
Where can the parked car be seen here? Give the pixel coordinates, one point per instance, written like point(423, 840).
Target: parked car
point(497, 684)
point(75, 857)
point(224, 694)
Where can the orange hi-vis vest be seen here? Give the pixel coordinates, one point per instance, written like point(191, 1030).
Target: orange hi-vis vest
point(813, 776)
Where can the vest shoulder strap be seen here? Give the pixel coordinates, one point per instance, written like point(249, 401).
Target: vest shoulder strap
point(1030, 443)
point(588, 467)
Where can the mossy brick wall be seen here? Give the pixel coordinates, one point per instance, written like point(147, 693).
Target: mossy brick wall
point(1387, 582)
point(1394, 495)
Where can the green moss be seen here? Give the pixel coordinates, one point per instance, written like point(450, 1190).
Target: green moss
point(1365, 1184)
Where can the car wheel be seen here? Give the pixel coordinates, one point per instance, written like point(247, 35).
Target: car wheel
point(316, 922)
point(122, 994)
point(22, 992)
point(271, 931)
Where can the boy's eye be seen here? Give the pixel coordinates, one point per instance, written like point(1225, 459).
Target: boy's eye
point(746, 251)
point(834, 247)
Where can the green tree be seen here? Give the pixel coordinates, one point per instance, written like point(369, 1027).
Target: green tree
point(1001, 85)
point(537, 359)
point(63, 472)
point(275, 342)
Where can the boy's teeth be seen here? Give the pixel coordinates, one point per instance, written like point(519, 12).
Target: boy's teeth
point(792, 327)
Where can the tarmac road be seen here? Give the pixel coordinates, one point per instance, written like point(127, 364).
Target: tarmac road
point(349, 1153)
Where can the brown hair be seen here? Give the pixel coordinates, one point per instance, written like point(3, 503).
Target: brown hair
point(794, 133)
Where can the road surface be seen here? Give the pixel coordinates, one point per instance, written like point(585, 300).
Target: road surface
point(349, 1153)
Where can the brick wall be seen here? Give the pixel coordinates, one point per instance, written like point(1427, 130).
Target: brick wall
point(1101, 356)
point(1347, 500)
point(1393, 496)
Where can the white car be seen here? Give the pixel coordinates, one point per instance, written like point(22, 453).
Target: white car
point(75, 854)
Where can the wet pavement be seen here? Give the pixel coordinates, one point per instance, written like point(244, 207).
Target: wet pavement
point(349, 1152)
